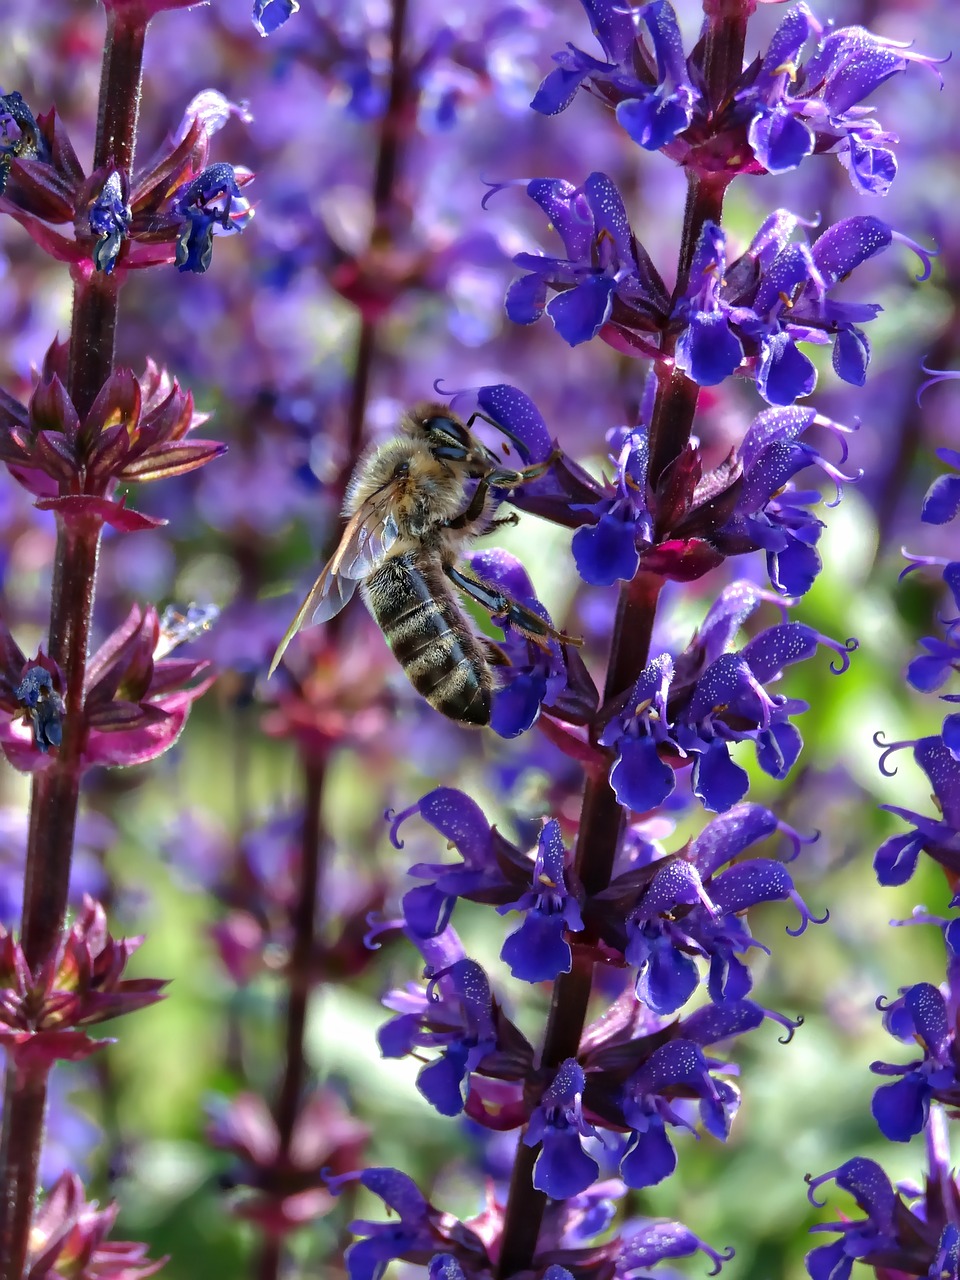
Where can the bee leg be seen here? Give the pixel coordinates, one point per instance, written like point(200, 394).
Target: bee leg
point(502, 608)
point(494, 654)
point(474, 509)
point(506, 478)
point(502, 522)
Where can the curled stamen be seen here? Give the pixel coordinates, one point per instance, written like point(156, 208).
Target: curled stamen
point(396, 820)
point(843, 651)
point(838, 477)
point(936, 375)
point(838, 430)
point(887, 750)
point(813, 1183)
point(497, 187)
point(926, 256)
point(797, 840)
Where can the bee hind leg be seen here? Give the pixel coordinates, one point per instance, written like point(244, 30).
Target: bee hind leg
point(502, 608)
point(502, 522)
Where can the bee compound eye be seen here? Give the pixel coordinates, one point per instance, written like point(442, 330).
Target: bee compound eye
point(446, 431)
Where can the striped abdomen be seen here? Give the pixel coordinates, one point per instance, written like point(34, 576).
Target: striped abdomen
point(418, 613)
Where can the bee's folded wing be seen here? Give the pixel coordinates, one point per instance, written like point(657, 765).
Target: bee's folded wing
point(370, 533)
point(365, 547)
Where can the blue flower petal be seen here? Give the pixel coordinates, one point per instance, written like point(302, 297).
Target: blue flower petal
point(718, 783)
point(780, 139)
point(668, 980)
point(441, 1082)
point(538, 951)
point(606, 551)
point(851, 355)
point(707, 350)
point(784, 373)
point(649, 1157)
point(579, 313)
point(639, 778)
point(942, 500)
point(563, 1168)
point(270, 15)
point(516, 706)
point(654, 121)
point(900, 1109)
point(526, 299)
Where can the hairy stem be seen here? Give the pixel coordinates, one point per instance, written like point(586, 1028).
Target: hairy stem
point(56, 790)
point(601, 817)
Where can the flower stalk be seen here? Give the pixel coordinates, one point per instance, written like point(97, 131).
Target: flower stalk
point(56, 790)
point(602, 817)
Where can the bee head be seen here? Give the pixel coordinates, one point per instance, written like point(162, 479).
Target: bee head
point(449, 440)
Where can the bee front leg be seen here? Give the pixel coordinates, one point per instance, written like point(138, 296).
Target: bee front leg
point(502, 608)
point(507, 478)
point(474, 509)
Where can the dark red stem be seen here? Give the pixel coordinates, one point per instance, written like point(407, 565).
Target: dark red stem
point(56, 791)
point(601, 816)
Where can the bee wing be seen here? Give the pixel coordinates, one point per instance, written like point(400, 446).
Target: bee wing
point(370, 533)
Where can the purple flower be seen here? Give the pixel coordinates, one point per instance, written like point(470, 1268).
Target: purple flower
point(658, 1241)
point(686, 906)
point(208, 203)
point(416, 1233)
point(692, 709)
point(653, 96)
point(42, 706)
point(919, 1016)
point(457, 1015)
point(164, 212)
point(921, 1240)
point(878, 1233)
point(796, 108)
point(538, 951)
point(606, 275)
point(270, 15)
point(495, 871)
point(548, 674)
point(563, 1168)
point(20, 135)
point(754, 310)
point(779, 112)
point(896, 859)
point(942, 500)
point(641, 1073)
point(694, 518)
point(109, 220)
point(776, 295)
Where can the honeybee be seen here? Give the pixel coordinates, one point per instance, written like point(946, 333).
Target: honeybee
point(408, 521)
